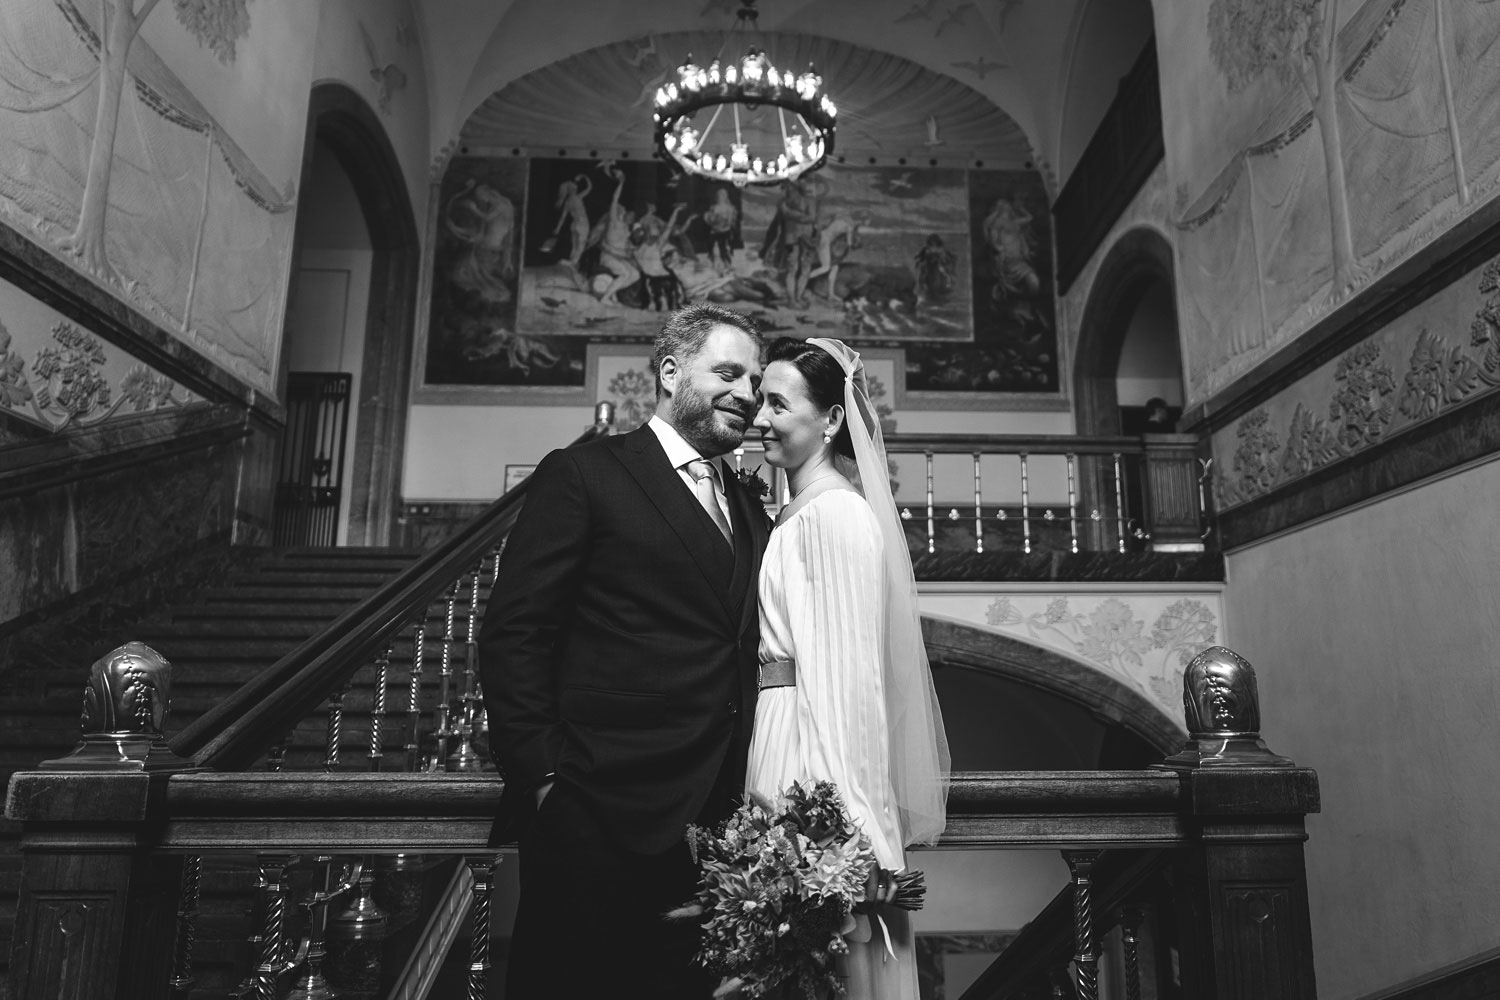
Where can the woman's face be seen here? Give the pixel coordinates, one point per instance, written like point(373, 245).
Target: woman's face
point(790, 423)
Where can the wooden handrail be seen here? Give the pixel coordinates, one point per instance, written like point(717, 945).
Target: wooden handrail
point(451, 813)
point(238, 729)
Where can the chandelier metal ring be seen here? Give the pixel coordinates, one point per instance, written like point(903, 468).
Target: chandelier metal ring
point(750, 83)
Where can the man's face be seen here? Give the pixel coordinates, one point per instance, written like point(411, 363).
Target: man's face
point(715, 392)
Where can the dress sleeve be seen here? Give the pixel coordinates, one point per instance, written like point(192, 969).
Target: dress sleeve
point(836, 638)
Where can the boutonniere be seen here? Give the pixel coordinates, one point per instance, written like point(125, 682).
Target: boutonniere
point(750, 479)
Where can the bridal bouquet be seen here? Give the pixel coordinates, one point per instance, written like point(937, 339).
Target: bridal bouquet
point(780, 887)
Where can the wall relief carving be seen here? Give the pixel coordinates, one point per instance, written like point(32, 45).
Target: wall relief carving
point(1359, 400)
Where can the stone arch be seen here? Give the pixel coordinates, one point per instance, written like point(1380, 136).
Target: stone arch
point(1118, 707)
point(346, 125)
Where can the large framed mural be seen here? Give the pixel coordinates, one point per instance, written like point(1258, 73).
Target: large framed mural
point(535, 259)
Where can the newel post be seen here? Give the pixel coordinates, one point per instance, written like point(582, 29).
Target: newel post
point(98, 910)
point(1241, 886)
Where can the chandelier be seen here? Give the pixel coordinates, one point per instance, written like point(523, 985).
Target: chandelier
point(805, 117)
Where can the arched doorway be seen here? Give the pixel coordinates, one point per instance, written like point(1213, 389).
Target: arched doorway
point(1137, 269)
point(355, 268)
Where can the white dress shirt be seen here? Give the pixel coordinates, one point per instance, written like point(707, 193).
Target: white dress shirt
point(680, 453)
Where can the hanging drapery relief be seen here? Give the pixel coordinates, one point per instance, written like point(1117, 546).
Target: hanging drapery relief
point(1313, 146)
point(109, 161)
point(537, 258)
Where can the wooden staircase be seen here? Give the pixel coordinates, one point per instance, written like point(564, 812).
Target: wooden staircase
point(270, 603)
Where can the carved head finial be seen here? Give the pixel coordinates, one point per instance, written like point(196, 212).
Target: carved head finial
point(1219, 694)
point(130, 691)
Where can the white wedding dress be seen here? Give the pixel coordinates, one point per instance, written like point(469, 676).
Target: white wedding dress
point(822, 595)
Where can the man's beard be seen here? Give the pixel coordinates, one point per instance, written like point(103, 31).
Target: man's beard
point(693, 417)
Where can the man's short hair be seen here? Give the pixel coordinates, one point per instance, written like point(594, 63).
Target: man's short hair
point(683, 334)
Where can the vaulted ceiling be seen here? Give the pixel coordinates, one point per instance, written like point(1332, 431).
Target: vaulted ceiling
point(994, 80)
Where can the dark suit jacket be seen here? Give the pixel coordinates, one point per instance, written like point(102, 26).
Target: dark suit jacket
point(618, 650)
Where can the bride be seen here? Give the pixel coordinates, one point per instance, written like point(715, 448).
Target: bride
point(846, 693)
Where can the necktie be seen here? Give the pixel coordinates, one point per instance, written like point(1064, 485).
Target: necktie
point(702, 471)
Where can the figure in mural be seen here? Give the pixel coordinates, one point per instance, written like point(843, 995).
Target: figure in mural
point(575, 216)
point(663, 287)
point(1007, 230)
point(721, 219)
point(798, 216)
point(218, 24)
point(485, 221)
point(836, 238)
point(934, 267)
point(612, 235)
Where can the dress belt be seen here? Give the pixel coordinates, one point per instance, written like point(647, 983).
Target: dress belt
point(778, 674)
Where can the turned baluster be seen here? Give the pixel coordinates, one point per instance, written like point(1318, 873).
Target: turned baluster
point(377, 709)
point(1086, 955)
point(931, 526)
point(1025, 506)
point(1130, 927)
point(335, 726)
point(1119, 502)
point(464, 756)
point(414, 694)
point(273, 870)
point(187, 914)
point(482, 868)
point(978, 509)
point(1073, 502)
point(443, 730)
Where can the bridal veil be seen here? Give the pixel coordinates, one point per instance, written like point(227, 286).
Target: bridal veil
point(920, 764)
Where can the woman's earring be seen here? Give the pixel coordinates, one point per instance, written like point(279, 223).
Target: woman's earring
point(828, 437)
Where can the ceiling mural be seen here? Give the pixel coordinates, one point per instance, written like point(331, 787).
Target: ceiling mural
point(891, 111)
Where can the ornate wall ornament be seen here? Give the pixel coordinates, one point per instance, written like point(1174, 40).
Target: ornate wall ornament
point(1111, 633)
point(1367, 402)
point(1310, 443)
point(1359, 408)
point(75, 379)
point(634, 395)
point(1438, 376)
point(1254, 462)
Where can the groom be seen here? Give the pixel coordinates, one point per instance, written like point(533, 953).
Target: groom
point(618, 657)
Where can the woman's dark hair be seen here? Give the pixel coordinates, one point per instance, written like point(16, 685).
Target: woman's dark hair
point(825, 381)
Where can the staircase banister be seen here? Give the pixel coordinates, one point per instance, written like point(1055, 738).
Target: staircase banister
point(238, 729)
point(1011, 444)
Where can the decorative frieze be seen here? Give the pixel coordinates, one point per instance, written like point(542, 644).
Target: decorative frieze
point(1415, 368)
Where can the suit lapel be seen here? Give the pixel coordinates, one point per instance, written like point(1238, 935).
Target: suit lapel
point(643, 457)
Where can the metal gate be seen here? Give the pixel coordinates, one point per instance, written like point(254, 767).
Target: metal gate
point(309, 488)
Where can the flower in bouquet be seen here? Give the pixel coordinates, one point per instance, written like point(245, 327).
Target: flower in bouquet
point(780, 884)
